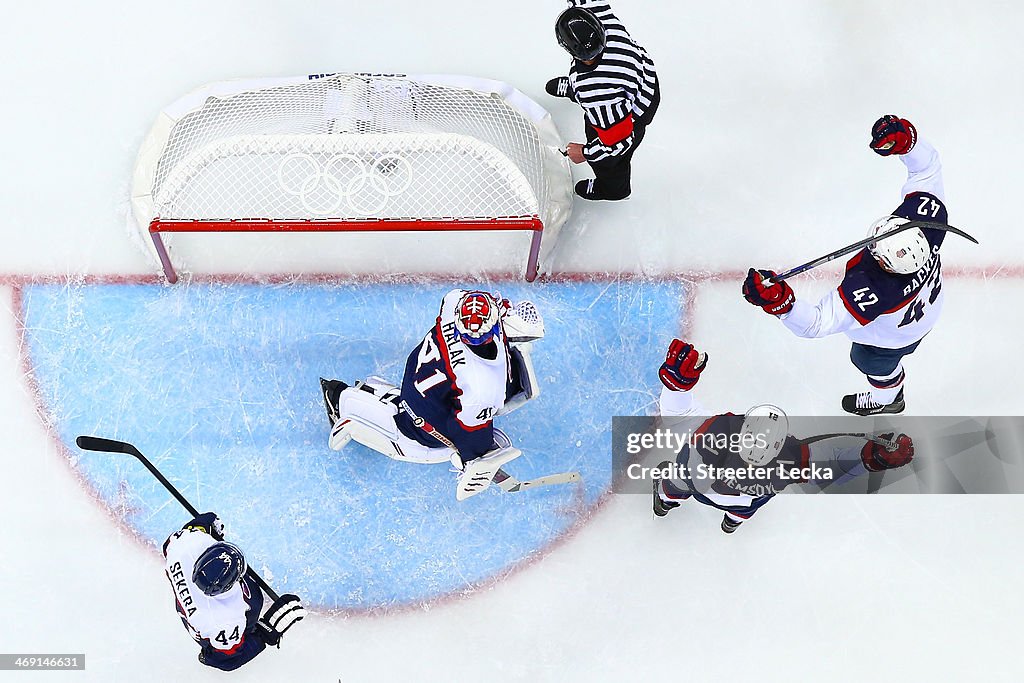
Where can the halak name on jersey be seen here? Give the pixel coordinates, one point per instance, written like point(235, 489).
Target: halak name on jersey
point(896, 310)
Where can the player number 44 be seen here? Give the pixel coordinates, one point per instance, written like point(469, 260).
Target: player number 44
point(227, 640)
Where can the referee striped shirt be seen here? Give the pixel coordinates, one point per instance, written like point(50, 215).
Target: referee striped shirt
point(617, 89)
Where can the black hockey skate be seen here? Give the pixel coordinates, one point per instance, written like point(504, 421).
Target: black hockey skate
point(589, 189)
point(332, 389)
point(729, 526)
point(661, 507)
point(863, 404)
point(559, 87)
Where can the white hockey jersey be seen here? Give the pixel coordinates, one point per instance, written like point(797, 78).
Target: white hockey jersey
point(219, 621)
point(482, 381)
point(683, 412)
point(453, 389)
point(872, 306)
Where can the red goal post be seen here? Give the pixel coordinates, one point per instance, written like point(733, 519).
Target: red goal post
point(352, 153)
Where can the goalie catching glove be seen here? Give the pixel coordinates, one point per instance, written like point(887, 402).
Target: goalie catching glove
point(682, 367)
point(282, 615)
point(522, 322)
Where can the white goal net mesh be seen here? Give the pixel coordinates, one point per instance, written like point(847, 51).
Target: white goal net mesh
point(353, 147)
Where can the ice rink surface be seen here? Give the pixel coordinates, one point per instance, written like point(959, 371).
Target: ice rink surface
point(758, 157)
point(222, 393)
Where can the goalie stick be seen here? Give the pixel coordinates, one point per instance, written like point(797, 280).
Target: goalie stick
point(510, 484)
point(101, 445)
point(505, 481)
point(856, 246)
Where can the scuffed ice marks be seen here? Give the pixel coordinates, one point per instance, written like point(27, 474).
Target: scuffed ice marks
point(218, 385)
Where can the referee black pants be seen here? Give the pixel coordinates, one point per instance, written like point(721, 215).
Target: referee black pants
point(612, 174)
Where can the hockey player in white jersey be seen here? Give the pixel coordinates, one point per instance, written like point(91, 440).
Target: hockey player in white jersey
point(218, 602)
point(763, 457)
point(891, 295)
point(472, 366)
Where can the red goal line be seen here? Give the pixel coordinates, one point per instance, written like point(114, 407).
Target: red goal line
point(534, 223)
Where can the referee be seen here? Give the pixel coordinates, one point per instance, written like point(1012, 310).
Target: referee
point(614, 81)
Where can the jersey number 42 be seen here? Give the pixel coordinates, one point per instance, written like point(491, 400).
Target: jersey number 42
point(915, 311)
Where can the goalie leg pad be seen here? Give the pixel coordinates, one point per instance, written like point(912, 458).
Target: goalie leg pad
point(478, 474)
point(383, 389)
point(368, 417)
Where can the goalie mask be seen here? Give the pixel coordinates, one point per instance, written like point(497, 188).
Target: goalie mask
point(903, 253)
point(764, 432)
point(476, 318)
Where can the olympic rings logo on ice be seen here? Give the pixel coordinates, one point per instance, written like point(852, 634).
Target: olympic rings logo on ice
point(365, 185)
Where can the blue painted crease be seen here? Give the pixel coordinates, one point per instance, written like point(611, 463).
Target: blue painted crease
point(218, 384)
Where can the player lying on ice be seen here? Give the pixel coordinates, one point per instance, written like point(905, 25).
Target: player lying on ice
point(741, 496)
point(891, 294)
point(472, 366)
point(218, 603)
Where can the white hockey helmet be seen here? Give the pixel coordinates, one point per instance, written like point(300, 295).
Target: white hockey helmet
point(764, 432)
point(477, 318)
point(903, 253)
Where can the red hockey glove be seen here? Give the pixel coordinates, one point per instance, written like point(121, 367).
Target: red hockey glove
point(776, 298)
point(877, 458)
point(892, 135)
point(682, 367)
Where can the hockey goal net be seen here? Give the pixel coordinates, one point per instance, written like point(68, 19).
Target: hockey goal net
point(352, 153)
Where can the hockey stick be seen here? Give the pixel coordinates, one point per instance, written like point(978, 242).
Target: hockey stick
point(95, 443)
point(890, 444)
point(510, 484)
point(503, 479)
point(856, 246)
point(887, 444)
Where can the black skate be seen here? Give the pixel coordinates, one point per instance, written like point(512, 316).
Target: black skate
point(729, 526)
point(661, 507)
point(588, 189)
point(332, 389)
point(863, 404)
point(559, 87)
